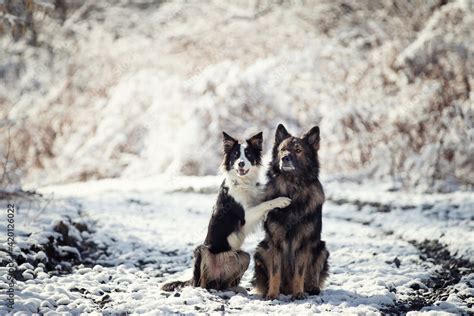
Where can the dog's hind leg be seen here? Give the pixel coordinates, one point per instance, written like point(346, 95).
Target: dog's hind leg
point(318, 269)
point(323, 268)
point(238, 265)
point(220, 271)
point(260, 278)
point(241, 265)
point(198, 279)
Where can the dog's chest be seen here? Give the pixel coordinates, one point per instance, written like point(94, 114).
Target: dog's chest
point(301, 214)
point(287, 218)
point(245, 195)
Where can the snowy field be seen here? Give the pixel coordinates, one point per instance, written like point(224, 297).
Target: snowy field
point(144, 232)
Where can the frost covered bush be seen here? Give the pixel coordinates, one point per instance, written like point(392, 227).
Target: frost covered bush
point(130, 89)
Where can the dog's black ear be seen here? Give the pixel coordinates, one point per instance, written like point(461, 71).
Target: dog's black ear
point(281, 134)
point(256, 141)
point(312, 137)
point(229, 142)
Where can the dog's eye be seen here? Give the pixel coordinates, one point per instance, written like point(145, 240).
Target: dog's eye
point(298, 150)
point(236, 154)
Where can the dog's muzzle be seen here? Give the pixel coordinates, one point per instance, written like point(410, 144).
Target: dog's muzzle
point(286, 164)
point(242, 172)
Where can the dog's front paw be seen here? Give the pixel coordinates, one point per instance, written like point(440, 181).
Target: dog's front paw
point(271, 296)
point(299, 296)
point(280, 202)
point(314, 291)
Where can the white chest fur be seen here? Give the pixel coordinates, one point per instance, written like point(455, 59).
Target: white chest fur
point(248, 194)
point(245, 189)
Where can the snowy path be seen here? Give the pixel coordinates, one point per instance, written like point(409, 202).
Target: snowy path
point(147, 236)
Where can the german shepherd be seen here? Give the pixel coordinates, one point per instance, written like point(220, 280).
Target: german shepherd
point(292, 258)
point(219, 263)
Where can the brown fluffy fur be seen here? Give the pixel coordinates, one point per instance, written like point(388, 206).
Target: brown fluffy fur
point(214, 271)
point(292, 259)
point(223, 270)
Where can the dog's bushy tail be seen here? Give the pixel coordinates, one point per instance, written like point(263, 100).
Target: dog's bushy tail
point(175, 285)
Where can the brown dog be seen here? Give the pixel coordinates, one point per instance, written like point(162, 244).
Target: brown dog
point(292, 259)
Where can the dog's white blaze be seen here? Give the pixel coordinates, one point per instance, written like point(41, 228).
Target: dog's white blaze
point(242, 158)
point(284, 153)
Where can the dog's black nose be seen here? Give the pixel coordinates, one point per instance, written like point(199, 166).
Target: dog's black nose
point(286, 159)
point(241, 164)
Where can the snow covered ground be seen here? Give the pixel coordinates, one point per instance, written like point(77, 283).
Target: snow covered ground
point(144, 232)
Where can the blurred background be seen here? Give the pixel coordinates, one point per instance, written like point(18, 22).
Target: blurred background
point(100, 89)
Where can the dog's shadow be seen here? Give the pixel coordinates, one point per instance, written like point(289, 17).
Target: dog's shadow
point(333, 297)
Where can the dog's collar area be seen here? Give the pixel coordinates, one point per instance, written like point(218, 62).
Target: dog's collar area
point(236, 183)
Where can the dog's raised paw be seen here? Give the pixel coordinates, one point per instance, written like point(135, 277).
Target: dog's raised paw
point(281, 202)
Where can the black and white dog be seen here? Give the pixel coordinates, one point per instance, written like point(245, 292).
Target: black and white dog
point(220, 263)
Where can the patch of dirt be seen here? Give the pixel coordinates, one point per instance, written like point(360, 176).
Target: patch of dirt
point(440, 284)
point(55, 260)
point(66, 246)
point(378, 206)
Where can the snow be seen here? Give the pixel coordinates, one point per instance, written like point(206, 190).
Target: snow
point(414, 216)
point(146, 231)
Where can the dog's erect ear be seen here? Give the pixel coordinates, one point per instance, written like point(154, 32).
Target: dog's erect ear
point(281, 134)
point(312, 137)
point(229, 142)
point(256, 141)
